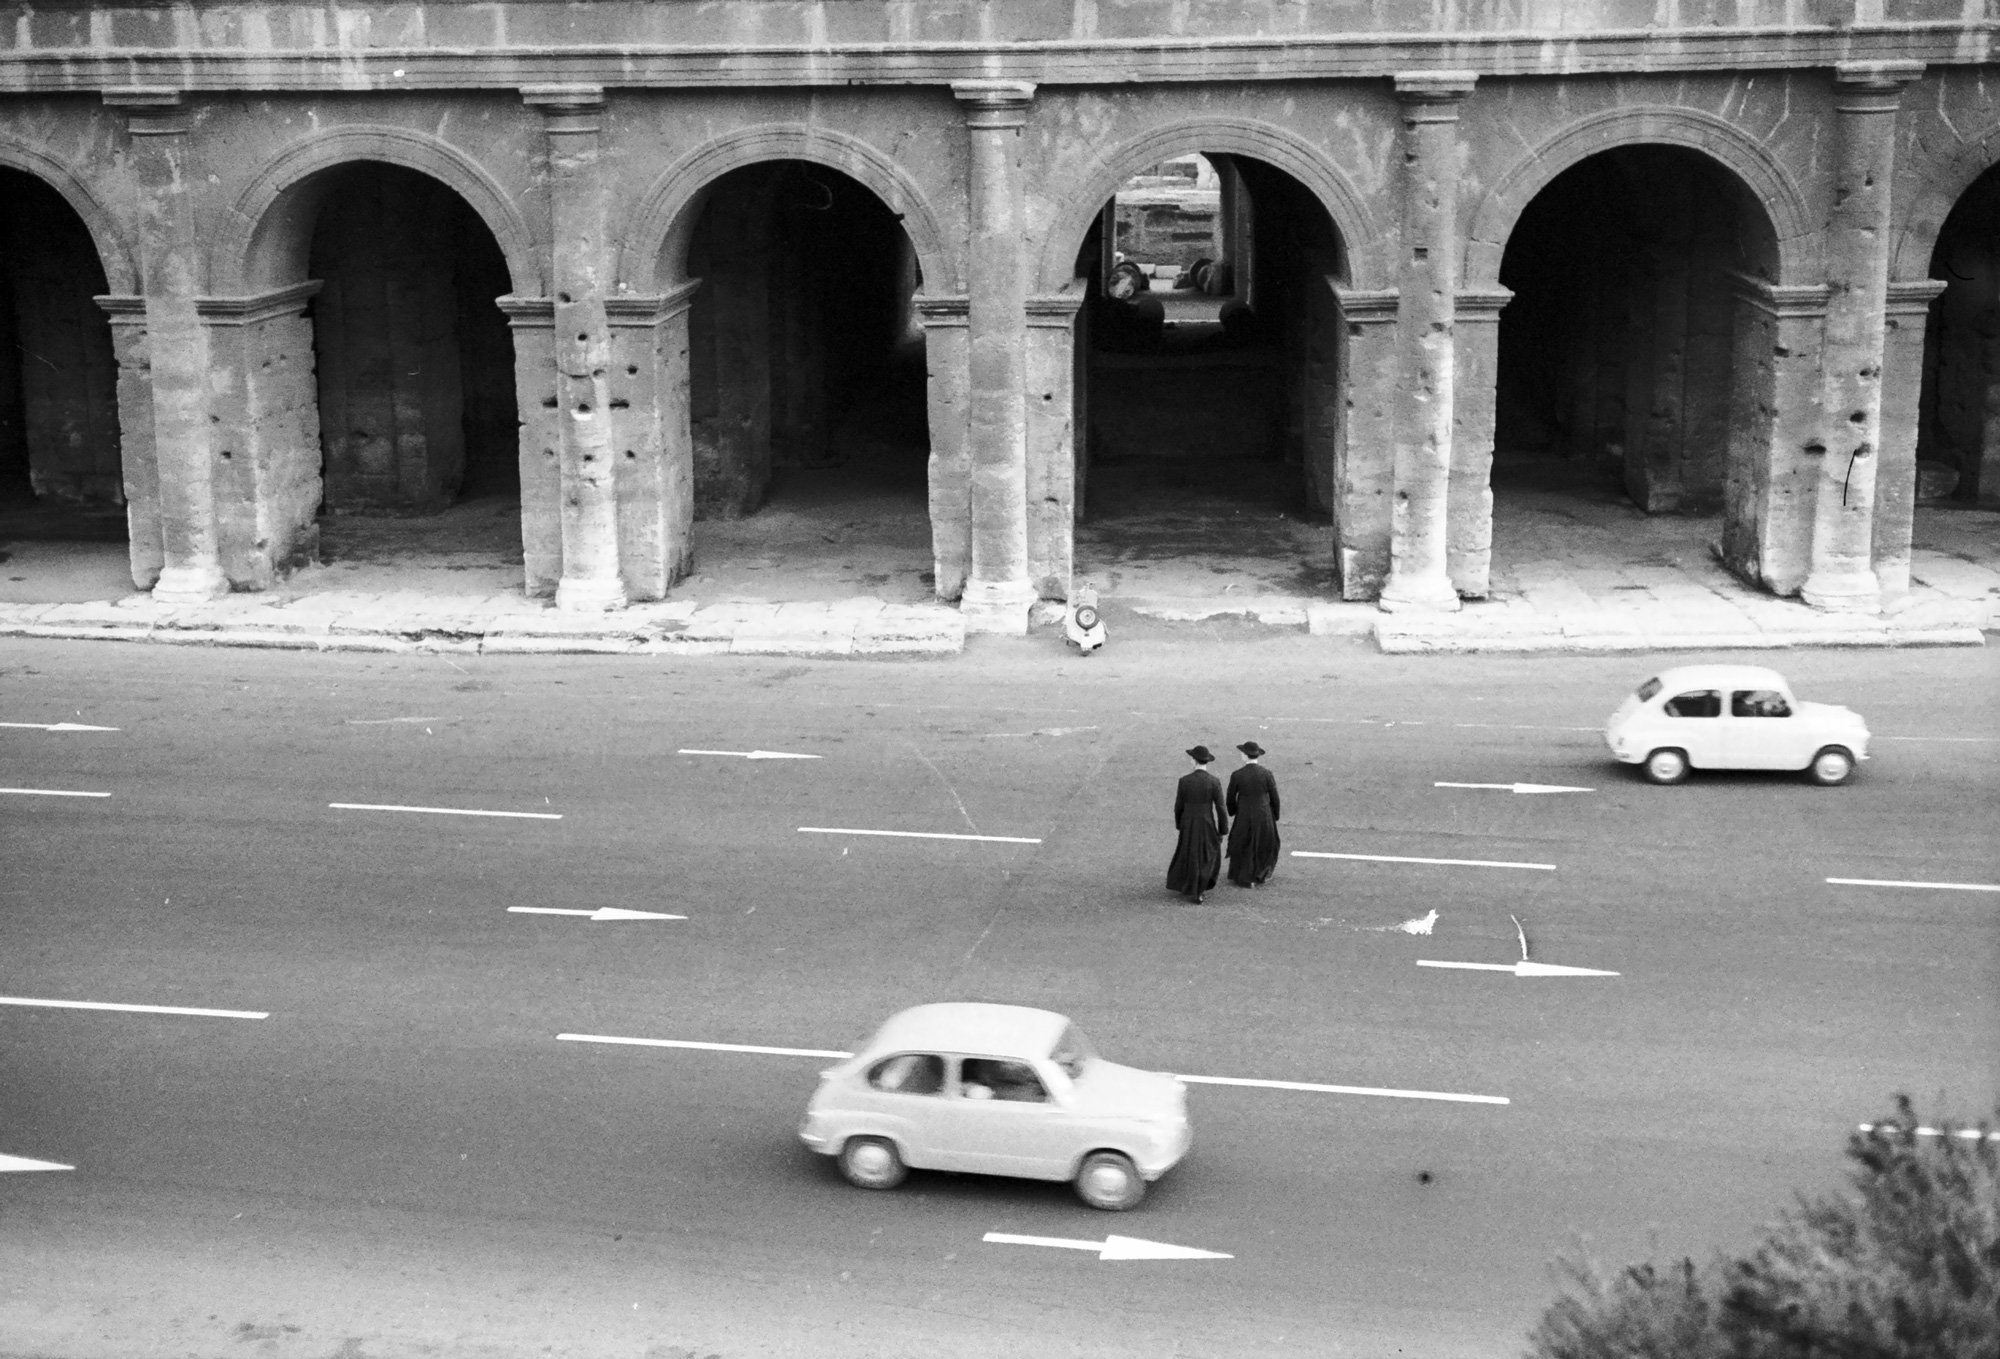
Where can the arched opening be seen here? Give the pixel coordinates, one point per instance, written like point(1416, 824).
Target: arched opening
point(1616, 367)
point(414, 371)
point(62, 493)
point(807, 385)
point(1207, 392)
point(1958, 420)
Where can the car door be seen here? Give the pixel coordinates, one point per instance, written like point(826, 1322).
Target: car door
point(1693, 721)
point(1763, 731)
point(900, 1096)
point(1005, 1121)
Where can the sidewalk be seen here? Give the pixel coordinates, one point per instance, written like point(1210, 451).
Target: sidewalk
point(816, 577)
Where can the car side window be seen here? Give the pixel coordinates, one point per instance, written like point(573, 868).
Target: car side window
point(1002, 1080)
point(1697, 703)
point(908, 1073)
point(1758, 703)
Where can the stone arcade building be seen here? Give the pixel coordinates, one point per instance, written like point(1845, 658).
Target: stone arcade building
point(1738, 254)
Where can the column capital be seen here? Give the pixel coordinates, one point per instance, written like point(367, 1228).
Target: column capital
point(149, 111)
point(1433, 96)
point(253, 308)
point(1872, 86)
point(1483, 304)
point(1784, 302)
point(1361, 307)
point(997, 104)
point(1913, 297)
point(942, 313)
point(577, 110)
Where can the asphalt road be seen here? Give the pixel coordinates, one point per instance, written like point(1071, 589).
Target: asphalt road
point(403, 1159)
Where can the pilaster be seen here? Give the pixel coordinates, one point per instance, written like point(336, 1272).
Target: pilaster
point(1906, 310)
point(1772, 470)
point(947, 405)
point(1469, 503)
point(998, 590)
point(572, 122)
point(139, 465)
point(655, 450)
point(1419, 577)
point(533, 323)
point(1867, 96)
point(1364, 466)
point(1052, 439)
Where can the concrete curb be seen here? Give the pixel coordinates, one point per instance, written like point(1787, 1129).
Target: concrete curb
point(1403, 641)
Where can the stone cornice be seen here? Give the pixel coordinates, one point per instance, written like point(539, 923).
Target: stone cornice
point(1370, 307)
point(256, 307)
point(1912, 297)
point(498, 63)
point(1785, 302)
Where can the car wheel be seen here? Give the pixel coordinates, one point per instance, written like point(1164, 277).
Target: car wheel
point(1832, 765)
point(1109, 1181)
point(872, 1163)
point(1666, 766)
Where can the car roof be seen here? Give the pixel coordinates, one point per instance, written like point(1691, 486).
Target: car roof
point(1684, 677)
point(970, 1027)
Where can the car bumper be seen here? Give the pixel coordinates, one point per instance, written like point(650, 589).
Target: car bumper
point(1168, 1154)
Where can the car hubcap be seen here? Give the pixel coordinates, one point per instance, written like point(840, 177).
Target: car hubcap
point(1108, 1182)
point(1831, 766)
point(871, 1161)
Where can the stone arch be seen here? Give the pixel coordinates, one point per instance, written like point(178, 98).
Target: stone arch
point(1232, 136)
point(121, 272)
point(1735, 150)
point(1935, 198)
point(264, 240)
point(666, 217)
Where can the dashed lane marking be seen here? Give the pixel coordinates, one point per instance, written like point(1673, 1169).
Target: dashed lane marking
point(1403, 859)
point(1969, 1134)
point(919, 835)
point(50, 792)
point(1311, 1087)
point(441, 811)
point(14, 1163)
point(38, 1003)
point(1937, 886)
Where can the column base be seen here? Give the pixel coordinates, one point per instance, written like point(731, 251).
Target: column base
point(590, 596)
point(191, 584)
point(1855, 591)
point(997, 606)
point(1424, 594)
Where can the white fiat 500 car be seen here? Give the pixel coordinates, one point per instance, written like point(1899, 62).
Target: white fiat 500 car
point(1733, 717)
point(997, 1090)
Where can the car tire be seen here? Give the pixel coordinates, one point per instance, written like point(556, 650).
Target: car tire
point(1666, 766)
point(1110, 1181)
point(1833, 765)
point(872, 1163)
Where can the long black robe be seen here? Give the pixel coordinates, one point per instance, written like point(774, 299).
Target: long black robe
point(1253, 840)
point(1201, 821)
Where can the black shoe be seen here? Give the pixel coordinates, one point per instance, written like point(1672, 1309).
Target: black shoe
point(1197, 898)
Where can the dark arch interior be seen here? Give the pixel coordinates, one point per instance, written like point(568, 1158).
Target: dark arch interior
point(415, 363)
point(1615, 363)
point(59, 434)
point(1958, 430)
point(806, 362)
point(1199, 376)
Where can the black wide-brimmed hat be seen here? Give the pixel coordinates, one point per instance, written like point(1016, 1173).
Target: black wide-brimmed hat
point(1252, 749)
point(1201, 755)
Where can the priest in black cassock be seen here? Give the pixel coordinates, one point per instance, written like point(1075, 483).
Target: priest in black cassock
point(1199, 817)
point(1253, 803)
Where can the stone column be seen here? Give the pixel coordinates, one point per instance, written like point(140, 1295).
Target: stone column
point(573, 121)
point(1052, 435)
point(1469, 506)
point(946, 406)
point(1769, 475)
point(655, 450)
point(1364, 468)
point(1906, 311)
point(532, 321)
point(1427, 289)
point(177, 346)
point(998, 591)
point(135, 439)
point(1866, 98)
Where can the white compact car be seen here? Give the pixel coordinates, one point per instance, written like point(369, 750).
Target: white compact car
point(997, 1090)
point(1733, 717)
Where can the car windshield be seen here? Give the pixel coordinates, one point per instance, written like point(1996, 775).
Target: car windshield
point(1071, 1051)
point(1648, 689)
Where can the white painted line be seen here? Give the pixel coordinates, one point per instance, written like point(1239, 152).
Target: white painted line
point(50, 792)
point(754, 754)
point(440, 811)
point(1518, 726)
point(702, 1047)
point(918, 835)
point(1939, 886)
point(1398, 859)
point(1978, 739)
point(1969, 1134)
point(9, 1163)
point(1345, 1089)
point(1198, 1080)
point(1519, 787)
point(55, 726)
point(133, 1009)
point(391, 721)
point(601, 913)
point(1524, 968)
point(1111, 1247)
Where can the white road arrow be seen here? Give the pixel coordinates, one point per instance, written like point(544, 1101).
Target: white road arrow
point(1524, 968)
point(754, 754)
point(8, 1163)
point(55, 726)
point(1519, 787)
point(601, 913)
point(1111, 1247)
